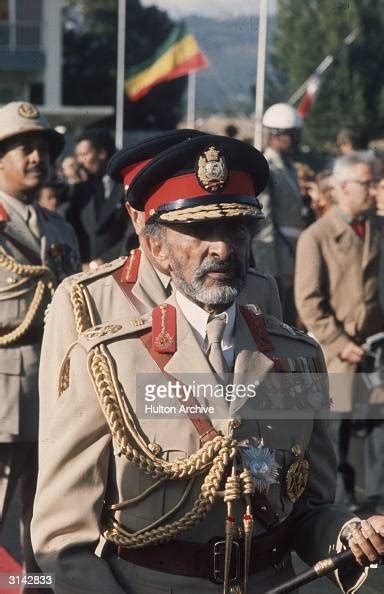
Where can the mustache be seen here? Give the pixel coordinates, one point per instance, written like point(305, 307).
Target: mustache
point(41, 169)
point(231, 264)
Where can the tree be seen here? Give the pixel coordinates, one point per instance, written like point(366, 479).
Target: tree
point(89, 69)
point(352, 88)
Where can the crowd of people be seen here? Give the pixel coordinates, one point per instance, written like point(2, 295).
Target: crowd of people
point(138, 261)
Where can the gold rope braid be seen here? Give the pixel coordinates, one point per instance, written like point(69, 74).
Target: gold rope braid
point(209, 492)
point(84, 319)
point(82, 313)
point(215, 454)
point(44, 283)
point(126, 435)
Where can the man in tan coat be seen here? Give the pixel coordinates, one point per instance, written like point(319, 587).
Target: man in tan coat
point(336, 292)
point(151, 481)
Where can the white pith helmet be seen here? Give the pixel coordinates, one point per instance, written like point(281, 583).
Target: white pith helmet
point(282, 116)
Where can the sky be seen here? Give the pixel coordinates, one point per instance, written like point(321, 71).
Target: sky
point(222, 9)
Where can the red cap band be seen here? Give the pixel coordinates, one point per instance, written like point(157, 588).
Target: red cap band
point(130, 171)
point(186, 187)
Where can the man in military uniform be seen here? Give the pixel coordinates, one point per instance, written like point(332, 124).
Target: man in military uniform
point(274, 246)
point(107, 466)
point(37, 250)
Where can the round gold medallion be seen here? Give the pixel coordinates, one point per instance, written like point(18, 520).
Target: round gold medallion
point(29, 111)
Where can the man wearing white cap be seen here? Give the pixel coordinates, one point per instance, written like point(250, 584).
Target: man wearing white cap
point(274, 247)
point(37, 249)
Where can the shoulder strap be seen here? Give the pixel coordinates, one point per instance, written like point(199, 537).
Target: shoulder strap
point(126, 278)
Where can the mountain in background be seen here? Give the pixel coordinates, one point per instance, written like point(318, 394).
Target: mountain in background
point(227, 86)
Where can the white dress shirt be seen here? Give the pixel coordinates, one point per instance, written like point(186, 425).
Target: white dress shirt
point(198, 319)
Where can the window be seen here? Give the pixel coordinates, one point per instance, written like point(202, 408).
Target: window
point(29, 10)
point(4, 10)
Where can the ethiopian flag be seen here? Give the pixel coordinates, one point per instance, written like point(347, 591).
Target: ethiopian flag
point(177, 56)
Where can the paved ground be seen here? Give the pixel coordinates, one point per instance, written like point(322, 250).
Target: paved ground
point(374, 584)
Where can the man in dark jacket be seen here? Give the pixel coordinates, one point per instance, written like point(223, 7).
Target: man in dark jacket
point(96, 210)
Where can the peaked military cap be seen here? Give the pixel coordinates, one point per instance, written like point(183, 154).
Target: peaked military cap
point(125, 164)
point(21, 117)
point(201, 179)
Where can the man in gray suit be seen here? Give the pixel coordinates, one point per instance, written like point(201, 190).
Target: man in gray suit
point(160, 489)
point(37, 250)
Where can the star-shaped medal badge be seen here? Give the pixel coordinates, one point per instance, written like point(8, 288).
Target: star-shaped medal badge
point(261, 463)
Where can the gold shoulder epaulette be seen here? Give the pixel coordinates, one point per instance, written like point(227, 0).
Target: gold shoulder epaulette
point(123, 328)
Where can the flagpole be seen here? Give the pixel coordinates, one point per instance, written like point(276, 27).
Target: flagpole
point(260, 73)
point(191, 99)
point(323, 66)
point(121, 18)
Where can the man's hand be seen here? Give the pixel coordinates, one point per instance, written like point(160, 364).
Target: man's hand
point(352, 352)
point(367, 542)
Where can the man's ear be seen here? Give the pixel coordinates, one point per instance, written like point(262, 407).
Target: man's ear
point(137, 218)
point(158, 249)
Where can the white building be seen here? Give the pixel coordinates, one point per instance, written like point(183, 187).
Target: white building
point(31, 51)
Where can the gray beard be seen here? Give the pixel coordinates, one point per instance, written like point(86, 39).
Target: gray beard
point(218, 295)
point(223, 295)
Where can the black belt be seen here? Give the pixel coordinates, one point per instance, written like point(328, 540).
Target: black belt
point(206, 560)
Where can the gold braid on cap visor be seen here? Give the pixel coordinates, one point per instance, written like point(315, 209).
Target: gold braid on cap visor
point(212, 211)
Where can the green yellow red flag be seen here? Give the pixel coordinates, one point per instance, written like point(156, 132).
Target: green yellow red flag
point(177, 56)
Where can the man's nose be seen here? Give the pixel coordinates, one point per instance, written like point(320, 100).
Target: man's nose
point(36, 155)
point(221, 247)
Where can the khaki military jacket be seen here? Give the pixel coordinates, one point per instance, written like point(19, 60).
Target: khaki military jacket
point(88, 479)
point(25, 289)
point(336, 291)
point(273, 248)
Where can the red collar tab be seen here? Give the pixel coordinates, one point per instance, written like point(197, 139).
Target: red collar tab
point(130, 171)
point(4, 216)
point(258, 329)
point(164, 329)
point(187, 186)
point(130, 270)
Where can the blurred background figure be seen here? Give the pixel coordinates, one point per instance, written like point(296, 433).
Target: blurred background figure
point(96, 210)
point(351, 138)
point(70, 171)
point(380, 212)
point(305, 179)
point(274, 246)
point(51, 196)
point(336, 291)
point(323, 200)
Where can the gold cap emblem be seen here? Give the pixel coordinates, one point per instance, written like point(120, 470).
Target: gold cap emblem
point(212, 171)
point(29, 111)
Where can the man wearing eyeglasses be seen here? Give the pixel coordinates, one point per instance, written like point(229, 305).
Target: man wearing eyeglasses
point(336, 291)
